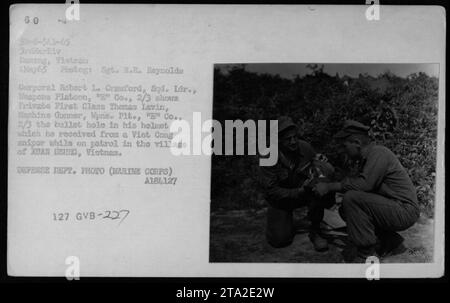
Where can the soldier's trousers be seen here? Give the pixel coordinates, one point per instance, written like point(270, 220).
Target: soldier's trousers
point(280, 229)
point(368, 215)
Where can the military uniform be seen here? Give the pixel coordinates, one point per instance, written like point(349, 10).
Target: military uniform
point(281, 184)
point(381, 199)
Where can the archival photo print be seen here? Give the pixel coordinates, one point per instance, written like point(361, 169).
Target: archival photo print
point(354, 170)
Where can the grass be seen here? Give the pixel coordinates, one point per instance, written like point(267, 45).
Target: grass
point(239, 236)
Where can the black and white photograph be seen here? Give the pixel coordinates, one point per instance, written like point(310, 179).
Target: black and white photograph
point(356, 168)
point(271, 142)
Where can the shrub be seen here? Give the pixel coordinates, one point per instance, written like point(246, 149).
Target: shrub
point(402, 113)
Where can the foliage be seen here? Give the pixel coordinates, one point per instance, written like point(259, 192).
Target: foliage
point(402, 113)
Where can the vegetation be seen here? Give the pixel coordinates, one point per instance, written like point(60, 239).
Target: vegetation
point(402, 113)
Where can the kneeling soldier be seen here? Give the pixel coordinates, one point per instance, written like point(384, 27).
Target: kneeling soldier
point(285, 186)
point(378, 202)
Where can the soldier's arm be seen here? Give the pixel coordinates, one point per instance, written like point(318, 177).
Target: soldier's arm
point(274, 192)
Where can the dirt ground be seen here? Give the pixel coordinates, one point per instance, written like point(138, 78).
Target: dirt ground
point(239, 236)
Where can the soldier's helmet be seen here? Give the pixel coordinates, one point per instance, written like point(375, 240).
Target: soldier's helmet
point(351, 127)
point(285, 123)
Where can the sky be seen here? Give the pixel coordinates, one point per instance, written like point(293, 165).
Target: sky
point(290, 70)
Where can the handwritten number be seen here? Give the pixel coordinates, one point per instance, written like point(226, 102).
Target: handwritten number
point(126, 214)
point(116, 214)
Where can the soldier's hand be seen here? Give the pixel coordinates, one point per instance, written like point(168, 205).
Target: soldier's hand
point(321, 189)
point(307, 183)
